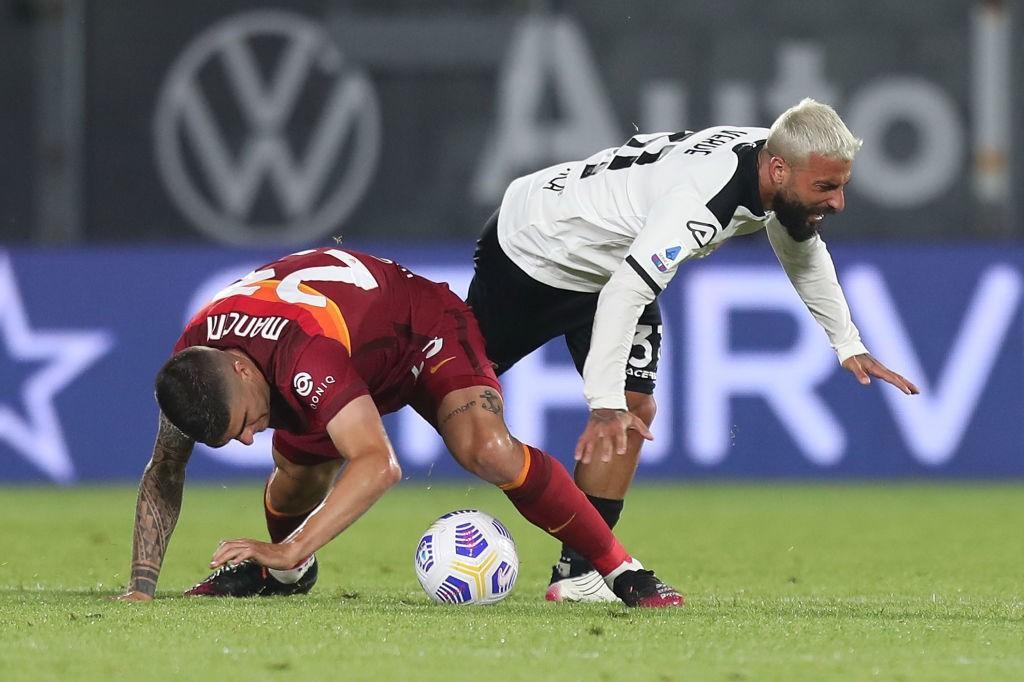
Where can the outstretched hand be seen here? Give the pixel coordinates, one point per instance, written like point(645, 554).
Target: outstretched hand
point(864, 367)
point(606, 434)
point(264, 553)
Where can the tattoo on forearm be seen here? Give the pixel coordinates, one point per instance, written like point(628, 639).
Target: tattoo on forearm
point(158, 506)
point(492, 401)
point(458, 410)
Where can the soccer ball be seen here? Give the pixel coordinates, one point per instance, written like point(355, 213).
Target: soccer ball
point(467, 557)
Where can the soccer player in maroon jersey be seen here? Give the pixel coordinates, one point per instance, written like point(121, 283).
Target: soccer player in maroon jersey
point(317, 345)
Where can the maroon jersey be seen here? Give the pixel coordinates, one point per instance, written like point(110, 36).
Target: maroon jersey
point(326, 326)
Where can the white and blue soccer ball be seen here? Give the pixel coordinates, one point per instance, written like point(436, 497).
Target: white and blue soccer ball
point(467, 557)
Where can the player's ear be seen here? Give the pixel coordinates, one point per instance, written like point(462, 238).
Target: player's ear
point(777, 169)
point(241, 369)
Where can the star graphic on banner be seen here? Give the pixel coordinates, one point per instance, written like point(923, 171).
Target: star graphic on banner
point(56, 357)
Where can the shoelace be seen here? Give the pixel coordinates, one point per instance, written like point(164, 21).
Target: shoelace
point(646, 583)
point(222, 570)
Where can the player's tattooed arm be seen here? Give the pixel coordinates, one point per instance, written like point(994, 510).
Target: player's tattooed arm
point(158, 506)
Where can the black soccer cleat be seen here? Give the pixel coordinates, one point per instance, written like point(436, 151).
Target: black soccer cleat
point(249, 579)
point(643, 589)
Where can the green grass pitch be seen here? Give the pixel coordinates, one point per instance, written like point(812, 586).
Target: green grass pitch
point(783, 582)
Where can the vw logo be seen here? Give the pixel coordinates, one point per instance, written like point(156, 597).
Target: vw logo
point(266, 145)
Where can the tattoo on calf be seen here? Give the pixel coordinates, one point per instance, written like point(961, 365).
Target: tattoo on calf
point(458, 410)
point(492, 400)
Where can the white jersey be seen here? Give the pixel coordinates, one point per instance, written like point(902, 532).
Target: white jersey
point(622, 221)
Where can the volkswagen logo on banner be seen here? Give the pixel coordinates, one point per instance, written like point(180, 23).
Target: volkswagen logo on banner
point(264, 132)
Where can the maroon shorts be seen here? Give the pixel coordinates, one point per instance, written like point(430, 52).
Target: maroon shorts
point(459, 362)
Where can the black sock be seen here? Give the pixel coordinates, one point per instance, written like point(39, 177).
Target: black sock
point(610, 511)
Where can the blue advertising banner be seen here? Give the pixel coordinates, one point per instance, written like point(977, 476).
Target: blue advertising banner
point(748, 385)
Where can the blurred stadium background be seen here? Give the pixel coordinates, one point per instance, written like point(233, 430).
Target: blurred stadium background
point(154, 151)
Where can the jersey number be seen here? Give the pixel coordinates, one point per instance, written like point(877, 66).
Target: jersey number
point(352, 272)
point(654, 147)
point(642, 340)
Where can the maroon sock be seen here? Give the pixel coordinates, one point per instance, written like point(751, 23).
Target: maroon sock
point(545, 494)
point(280, 525)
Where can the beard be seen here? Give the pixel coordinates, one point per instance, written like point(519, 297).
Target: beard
point(796, 216)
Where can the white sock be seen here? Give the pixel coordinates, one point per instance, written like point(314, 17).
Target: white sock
point(291, 576)
point(631, 565)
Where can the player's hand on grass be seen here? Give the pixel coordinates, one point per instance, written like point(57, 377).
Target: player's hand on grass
point(864, 367)
point(133, 595)
point(605, 434)
point(266, 554)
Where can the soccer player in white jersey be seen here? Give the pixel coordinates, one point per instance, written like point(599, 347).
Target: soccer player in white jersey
point(582, 250)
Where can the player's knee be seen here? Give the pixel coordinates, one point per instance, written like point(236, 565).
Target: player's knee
point(643, 406)
point(490, 457)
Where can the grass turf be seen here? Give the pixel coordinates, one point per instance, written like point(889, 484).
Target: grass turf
point(900, 582)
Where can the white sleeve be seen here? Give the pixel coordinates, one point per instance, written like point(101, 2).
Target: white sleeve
point(810, 269)
point(677, 226)
point(619, 306)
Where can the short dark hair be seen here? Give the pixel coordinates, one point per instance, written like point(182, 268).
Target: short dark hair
point(192, 392)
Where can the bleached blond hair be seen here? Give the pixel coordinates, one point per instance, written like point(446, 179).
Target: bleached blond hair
point(811, 128)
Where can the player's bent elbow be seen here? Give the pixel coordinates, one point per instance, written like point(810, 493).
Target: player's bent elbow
point(392, 474)
point(378, 470)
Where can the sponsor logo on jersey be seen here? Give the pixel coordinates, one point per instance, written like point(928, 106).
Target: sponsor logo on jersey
point(702, 233)
point(433, 370)
point(641, 373)
point(432, 348)
point(659, 259)
point(557, 183)
point(321, 389)
point(303, 384)
point(245, 326)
